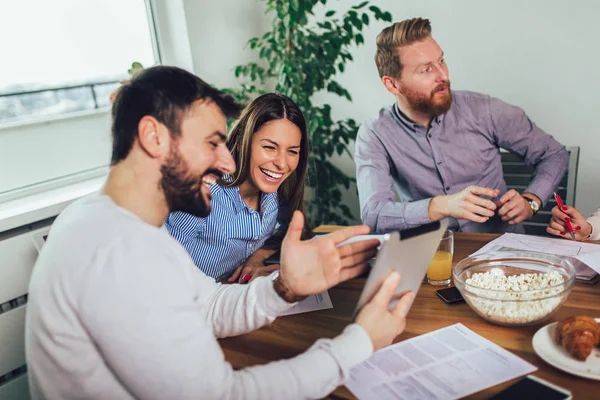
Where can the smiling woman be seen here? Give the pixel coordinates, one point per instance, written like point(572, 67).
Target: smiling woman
point(251, 207)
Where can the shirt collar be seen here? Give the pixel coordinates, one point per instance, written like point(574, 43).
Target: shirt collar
point(268, 201)
point(233, 193)
point(404, 120)
point(409, 123)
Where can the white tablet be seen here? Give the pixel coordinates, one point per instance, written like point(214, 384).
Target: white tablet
point(408, 252)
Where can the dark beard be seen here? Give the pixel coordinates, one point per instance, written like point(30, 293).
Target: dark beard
point(427, 105)
point(182, 190)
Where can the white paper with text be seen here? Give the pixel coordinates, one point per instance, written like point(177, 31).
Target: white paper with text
point(449, 363)
point(316, 302)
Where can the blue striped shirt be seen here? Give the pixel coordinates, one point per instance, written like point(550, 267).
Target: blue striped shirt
point(219, 243)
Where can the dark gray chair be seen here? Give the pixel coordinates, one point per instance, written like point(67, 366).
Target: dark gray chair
point(517, 175)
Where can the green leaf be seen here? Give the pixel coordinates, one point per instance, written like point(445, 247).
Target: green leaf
point(387, 16)
point(329, 13)
point(294, 5)
point(238, 71)
point(341, 67)
point(361, 5)
point(136, 67)
point(365, 19)
point(357, 23)
point(348, 28)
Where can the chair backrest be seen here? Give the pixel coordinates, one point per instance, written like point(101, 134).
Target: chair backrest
point(517, 175)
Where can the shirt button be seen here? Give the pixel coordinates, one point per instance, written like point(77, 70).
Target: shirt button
point(250, 245)
point(429, 136)
point(439, 163)
point(447, 187)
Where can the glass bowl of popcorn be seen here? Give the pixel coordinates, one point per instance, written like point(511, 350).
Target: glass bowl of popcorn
point(514, 288)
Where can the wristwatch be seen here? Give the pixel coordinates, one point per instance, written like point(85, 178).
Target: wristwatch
point(535, 207)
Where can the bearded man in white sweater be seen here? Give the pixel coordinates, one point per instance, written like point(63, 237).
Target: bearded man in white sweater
point(118, 310)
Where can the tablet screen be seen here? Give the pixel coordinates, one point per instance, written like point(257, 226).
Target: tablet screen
point(408, 252)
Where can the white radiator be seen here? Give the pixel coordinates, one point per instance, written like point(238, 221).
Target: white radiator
point(17, 257)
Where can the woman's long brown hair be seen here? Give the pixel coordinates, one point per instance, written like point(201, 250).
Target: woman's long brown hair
point(263, 109)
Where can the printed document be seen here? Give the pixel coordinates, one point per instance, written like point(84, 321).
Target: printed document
point(449, 363)
point(316, 302)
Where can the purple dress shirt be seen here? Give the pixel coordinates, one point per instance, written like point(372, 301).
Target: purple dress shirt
point(461, 148)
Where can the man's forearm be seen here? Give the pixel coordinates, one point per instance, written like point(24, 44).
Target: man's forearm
point(438, 208)
point(385, 216)
point(248, 307)
point(548, 173)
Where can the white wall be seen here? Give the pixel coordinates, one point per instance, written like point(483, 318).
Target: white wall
point(540, 55)
point(218, 32)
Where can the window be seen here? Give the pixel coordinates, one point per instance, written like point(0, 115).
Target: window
point(59, 58)
point(65, 56)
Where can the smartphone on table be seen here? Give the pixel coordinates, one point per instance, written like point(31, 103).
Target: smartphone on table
point(532, 387)
point(450, 295)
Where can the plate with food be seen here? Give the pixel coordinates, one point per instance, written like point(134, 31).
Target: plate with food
point(571, 345)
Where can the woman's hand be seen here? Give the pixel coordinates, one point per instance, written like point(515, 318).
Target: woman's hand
point(558, 227)
point(253, 267)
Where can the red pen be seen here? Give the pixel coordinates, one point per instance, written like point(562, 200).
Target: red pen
point(561, 205)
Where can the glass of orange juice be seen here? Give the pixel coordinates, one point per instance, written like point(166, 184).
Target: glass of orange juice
point(440, 269)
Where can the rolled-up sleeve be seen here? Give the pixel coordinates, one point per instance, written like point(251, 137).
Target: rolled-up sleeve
point(594, 221)
point(516, 133)
point(378, 207)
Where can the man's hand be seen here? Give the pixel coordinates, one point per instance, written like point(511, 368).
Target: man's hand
point(514, 208)
point(313, 266)
point(470, 203)
point(381, 325)
point(583, 229)
point(253, 267)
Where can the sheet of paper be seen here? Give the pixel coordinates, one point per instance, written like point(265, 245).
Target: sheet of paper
point(361, 238)
point(591, 259)
point(585, 256)
point(449, 363)
point(320, 301)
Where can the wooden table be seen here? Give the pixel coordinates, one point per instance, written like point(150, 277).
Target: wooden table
point(291, 335)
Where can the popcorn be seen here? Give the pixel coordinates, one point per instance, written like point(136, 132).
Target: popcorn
point(513, 299)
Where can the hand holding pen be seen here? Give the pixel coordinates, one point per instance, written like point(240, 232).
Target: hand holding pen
point(568, 219)
point(561, 206)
